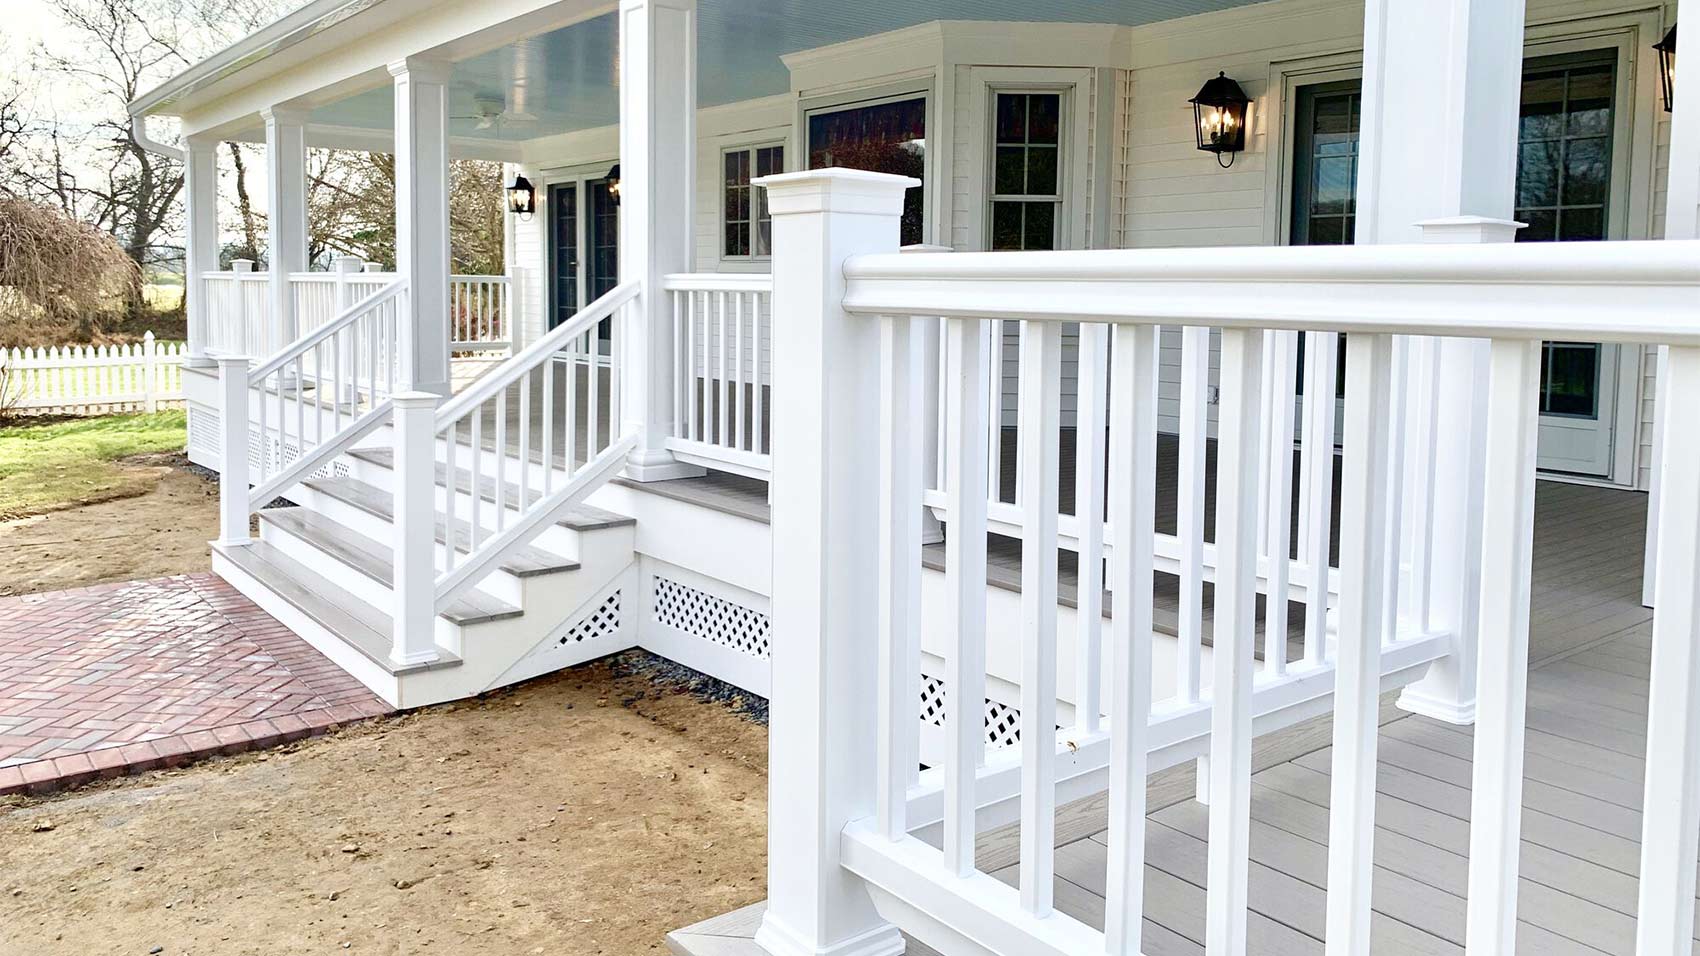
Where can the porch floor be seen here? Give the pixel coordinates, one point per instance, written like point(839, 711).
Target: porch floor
point(1589, 659)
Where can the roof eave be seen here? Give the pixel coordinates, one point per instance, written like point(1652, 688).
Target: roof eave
point(308, 21)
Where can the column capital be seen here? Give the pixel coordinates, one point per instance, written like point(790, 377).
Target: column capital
point(835, 190)
point(283, 115)
point(685, 5)
point(424, 69)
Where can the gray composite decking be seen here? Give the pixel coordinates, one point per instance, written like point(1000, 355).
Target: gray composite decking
point(1589, 658)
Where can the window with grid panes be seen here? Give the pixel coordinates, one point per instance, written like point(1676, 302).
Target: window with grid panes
point(747, 226)
point(1026, 197)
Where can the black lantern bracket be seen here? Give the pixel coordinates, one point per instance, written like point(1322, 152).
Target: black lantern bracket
point(1667, 66)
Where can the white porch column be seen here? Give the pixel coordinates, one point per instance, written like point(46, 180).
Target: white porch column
point(200, 242)
point(826, 490)
point(1682, 221)
point(286, 216)
point(422, 220)
point(658, 42)
point(1442, 82)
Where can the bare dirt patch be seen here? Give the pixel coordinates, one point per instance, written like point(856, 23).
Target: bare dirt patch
point(162, 527)
point(587, 813)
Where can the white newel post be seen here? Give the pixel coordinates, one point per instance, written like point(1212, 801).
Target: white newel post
point(150, 373)
point(657, 160)
point(345, 268)
point(286, 218)
point(1438, 164)
point(826, 494)
point(200, 243)
point(1670, 821)
point(233, 450)
point(414, 532)
point(422, 220)
point(1682, 221)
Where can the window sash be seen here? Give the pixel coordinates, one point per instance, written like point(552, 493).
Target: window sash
point(1019, 206)
point(746, 226)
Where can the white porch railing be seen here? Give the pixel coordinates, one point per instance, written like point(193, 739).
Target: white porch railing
point(556, 404)
point(290, 415)
point(723, 335)
point(480, 313)
point(847, 568)
point(239, 311)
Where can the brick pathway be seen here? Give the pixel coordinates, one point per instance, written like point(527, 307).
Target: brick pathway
point(120, 678)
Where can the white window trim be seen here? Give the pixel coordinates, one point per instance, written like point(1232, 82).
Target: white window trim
point(1072, 171)
point(922, 87)
point(720, 188)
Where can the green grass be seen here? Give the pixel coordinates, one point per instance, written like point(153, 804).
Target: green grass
point(44, 467)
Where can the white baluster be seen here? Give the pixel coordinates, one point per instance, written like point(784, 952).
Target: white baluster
point(900, 567)
point(1496, 780)
point(1040, 419)
point(965, 587)
point(1090, 434)
point(1233, 662)
point(1363, 558)
point(1133, 476)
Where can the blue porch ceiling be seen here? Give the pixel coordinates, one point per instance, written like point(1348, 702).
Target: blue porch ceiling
point(566, 80)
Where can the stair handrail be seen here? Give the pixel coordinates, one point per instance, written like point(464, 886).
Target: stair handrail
point(310, 460)
point(535, 354)
point(460, 574)
point(306, 342)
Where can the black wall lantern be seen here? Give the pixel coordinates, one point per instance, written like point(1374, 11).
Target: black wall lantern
point(1667, 65)
point(614, 184)
point(1219, 110)
point(522, 199)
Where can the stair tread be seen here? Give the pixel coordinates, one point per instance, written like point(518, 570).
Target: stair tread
point(528, 560)
point(581, 517)
point(362, 626)
point(377, 561)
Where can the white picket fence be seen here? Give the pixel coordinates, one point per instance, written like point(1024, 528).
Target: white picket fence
point(93, 379)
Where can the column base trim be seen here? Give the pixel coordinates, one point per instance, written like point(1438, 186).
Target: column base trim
point(1445, 709)
point(777, 939)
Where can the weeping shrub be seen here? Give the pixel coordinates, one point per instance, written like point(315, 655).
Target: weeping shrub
point(59, 274)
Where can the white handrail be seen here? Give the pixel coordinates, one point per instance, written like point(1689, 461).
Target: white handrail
point(535, 354)
point(1575, 291)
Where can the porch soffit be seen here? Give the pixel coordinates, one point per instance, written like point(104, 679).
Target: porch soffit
point(565, 80)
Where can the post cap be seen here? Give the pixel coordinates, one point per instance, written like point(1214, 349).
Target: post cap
point(412, 400)
point(1466, 229)
point(836, 190)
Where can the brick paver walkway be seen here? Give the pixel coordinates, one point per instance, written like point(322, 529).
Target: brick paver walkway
point(119, 678)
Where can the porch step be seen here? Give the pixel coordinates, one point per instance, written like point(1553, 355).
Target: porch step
point(581, 517)
point(380, 504)
point(356, 623)
point(377, 561)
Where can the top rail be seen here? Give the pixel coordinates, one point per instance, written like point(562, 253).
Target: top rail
point(1643, 292)
point(717, 282)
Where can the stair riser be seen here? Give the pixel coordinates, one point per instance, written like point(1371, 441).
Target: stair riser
point(385, 685)
point(375, 593)
point(499, 584)
point(562, 541)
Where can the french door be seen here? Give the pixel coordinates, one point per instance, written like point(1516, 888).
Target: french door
point(584, 248)
point(1566, 138)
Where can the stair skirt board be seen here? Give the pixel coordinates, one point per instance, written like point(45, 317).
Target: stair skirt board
point(605, 624)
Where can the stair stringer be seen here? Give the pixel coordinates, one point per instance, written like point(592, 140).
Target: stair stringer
point(605, 624)
point(493, 654)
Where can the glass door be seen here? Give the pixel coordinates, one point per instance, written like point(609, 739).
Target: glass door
point(1564, 160)
point(1567, 121)
point(584, 249)
point(1325, 195)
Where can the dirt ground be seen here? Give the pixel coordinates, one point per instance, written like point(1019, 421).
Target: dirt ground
point(586, 813)
point(164, 531)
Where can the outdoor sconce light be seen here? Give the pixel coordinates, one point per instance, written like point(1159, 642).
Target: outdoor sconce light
point(1219, 109)
point(1667, 64)
point(522, 199)
point(614, 184)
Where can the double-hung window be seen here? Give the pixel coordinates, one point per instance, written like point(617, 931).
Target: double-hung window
point(1027, 179)
point(743, 212)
